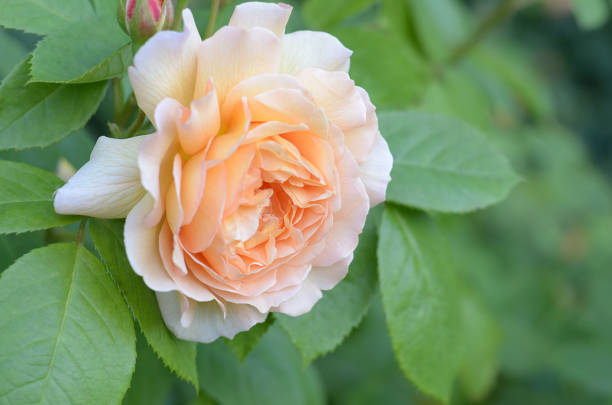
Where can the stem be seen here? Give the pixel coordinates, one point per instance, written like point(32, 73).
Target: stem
point(117, 97)
point(79, 237)
point(136, 125)
point(504, 9)
point(181, 4)
point(127, 111)
point(212, 19)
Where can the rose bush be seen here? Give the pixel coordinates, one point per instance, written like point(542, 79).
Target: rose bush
point(251, 194)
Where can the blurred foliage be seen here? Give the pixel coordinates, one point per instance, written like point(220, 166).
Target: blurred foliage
point(535, 269)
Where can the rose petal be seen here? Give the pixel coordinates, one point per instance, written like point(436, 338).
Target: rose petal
point(267, 15)
point(350, 219)
point(233, 54)
point(375, 172)
point(165, 66)
point(203, 123)
point(208, 322)
point(303, 49)
point(141, 246)
point(108, 186)
point(302, 301)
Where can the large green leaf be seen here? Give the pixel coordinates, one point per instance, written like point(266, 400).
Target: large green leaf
point(443, 164)
point(26, 201)
point(341, 309)
point(45, 16)
point(67, 336)
point(39, 114)
point(65, 57)
point(420, 299)
point(178, 355)
point(272, 373)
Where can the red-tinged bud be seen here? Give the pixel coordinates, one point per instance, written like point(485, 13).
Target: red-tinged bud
point(143, 18)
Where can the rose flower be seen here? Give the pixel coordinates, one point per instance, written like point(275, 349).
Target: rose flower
point(250, 196)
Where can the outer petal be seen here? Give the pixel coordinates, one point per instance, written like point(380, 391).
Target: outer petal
point(165, 66)
point(302, 49)
point(257, 14)
point(375, 172)
point(233, 54)
point(327, 277)
point(208, 321)
point(301, 302)
point(141, 245)
point(107, 186)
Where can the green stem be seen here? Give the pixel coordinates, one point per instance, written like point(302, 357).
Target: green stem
point(504, 9)
point(117, 97)
point(212, 19)
point(180, 5)
point(135, 125)
point(126, 113)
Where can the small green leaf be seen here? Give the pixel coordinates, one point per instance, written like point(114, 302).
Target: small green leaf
point(39, 114)
point(324, 13)
point(244, 342)
point(271, 374)
point(591, 14)
point(67, 336)
point(26, 201)
point(481, 342)
point(178, 355)
point(65, 57)
point(341, 309)
point(13, 52)
point(14, 246)
point(152, 381)
point(420, 300)
point(443, 164)
point(43, 16)
point(406, 74)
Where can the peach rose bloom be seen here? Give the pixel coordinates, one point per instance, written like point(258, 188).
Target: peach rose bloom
point(250, 196)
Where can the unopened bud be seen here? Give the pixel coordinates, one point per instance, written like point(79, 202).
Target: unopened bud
point(143, 18)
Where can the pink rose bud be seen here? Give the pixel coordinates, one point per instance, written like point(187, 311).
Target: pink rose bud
point(143, 18)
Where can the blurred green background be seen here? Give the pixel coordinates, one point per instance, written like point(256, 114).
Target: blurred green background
point(536, 77)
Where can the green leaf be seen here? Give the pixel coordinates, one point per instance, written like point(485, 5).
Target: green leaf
point(272, 373)
point(179, 355)
point(341, 308)
point(152, 381)
point(435, 27)
point(245, 341)
point(26, 201)
point(324, 13)
point(443, 164)
point(448, 94)
point(514, 69)
point(39, 114)
point(45, 16)
point(65, 57)
point(13, 52)
point(591, 14)
point(394, 75)
point(481, 339)
point(420, 300)
point(67, 336)
point(75, 148)
point(13, 246)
